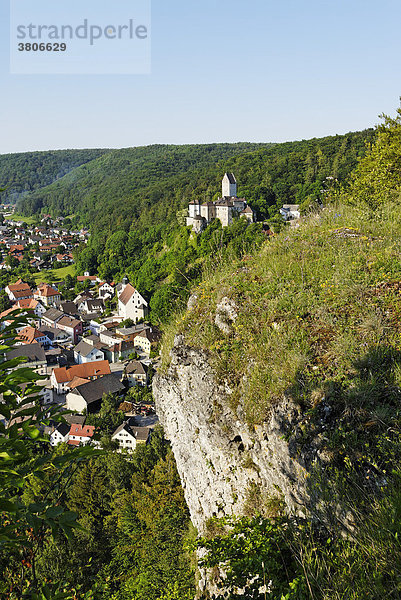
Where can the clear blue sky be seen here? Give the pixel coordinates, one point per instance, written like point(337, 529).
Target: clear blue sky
point(222, 70)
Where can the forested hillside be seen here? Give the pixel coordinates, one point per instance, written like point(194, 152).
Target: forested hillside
point(27, 172)
point(113, 182)
point(135, 199)
point(143, 234)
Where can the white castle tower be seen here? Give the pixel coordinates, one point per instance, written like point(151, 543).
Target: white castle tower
point(229, 185)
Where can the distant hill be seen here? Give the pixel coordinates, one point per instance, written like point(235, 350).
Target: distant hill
point(118, 175)
point(27, 172)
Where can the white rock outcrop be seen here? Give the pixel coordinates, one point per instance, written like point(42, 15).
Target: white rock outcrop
point(221, 461)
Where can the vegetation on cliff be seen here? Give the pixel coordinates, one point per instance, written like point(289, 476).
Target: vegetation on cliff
point(315, 316)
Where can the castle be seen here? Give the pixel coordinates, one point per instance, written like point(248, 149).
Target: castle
point(225, 208)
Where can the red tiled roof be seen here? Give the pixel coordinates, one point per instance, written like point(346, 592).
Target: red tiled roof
point(18, 286)
point(96, 368)
point(128, 292)
point(30, 334)
point(27, 303)
point(22, 293)
point(82, 430)
point(47, 290)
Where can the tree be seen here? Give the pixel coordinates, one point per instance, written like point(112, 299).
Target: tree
point(378, 175)
point(28, 521)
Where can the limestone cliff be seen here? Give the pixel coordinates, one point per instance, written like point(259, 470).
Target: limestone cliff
point(225, 467)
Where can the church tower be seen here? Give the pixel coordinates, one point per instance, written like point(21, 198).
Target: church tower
point(229, 185)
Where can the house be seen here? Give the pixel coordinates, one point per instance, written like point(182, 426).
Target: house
point(90, 305)
point(47, 294)
point(91, 278)
point(105, 290)
point(145, 340)
point(131, 305)
point(68, 308)
point(80, 434)
point(71, 326)
point(31, 304)
point(136, 373)
point(8, 318)
point(290, 212)
point(128, 436)
point(88, 396)
point(62, 376)
point(31, 335)
point(54, 335)
point(45, 394)
point(18, 291)
point(119, 351)
point(60, 434)
point(51, 316)
point(84, 353)
point(34, 354)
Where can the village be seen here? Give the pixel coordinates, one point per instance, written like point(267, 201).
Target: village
point(44, 246)
point(91, 340)
point(85, 356)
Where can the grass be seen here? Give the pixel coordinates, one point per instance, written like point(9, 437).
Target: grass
point(54, 274)
point(28, 220)
point(318, 312)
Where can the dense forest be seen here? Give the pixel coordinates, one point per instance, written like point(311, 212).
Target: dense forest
point(28, 172)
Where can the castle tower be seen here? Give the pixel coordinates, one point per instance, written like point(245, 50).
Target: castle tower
point(229, 185)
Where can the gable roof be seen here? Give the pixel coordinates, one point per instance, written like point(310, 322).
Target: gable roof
point(18, 286)
point(97, 368)
point(30, 334)
point(52, 314)
point(27, 303)
point(67, 321)
point(230, 177)
point(94, 390)
point(46, 290)
point(136, 368)
point(139, 433)
point(127, 294)
point(34, 353)
point(83, 348)
point(82, 430)
point(63, 428)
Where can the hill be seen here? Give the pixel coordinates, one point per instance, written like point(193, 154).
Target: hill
point(28, 172)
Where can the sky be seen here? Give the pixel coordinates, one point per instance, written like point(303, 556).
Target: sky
point(221, 71)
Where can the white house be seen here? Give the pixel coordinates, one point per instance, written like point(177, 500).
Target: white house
point(106, 290)
point(84, 353)
point(290, 211)
point(128, 437)
point(136, 373)
point(18, 291)
point(60, 434)
point(131, 305)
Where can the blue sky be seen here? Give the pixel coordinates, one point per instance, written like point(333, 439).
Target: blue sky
point(222, 70)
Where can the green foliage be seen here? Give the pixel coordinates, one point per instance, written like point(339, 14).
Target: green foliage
point(377, 178)
point(252, 559)
point(30, 171)
point(28, 520)
point(108, 418)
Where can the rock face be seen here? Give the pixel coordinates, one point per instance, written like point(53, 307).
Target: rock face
point(225, 467)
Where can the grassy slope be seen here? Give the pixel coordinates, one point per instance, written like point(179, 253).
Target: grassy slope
point(54, 274)
point(319, 320)
point(315, 306)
